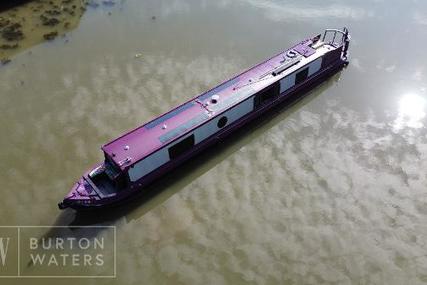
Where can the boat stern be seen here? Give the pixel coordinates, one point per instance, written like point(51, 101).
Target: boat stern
point(339, 39)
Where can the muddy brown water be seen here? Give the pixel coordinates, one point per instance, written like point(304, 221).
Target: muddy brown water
point(329, 190)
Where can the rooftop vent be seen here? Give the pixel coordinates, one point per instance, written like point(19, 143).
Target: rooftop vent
point(214, 99)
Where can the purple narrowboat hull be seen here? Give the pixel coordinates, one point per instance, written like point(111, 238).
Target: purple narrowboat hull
point(86, 195)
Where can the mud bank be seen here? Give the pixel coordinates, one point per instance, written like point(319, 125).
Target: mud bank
point(25, 23)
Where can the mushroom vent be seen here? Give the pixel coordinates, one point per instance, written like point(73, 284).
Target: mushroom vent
point(214, 99)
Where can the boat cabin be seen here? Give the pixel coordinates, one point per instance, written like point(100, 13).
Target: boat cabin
point(170, 137)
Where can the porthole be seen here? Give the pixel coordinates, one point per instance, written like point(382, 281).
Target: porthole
point(222, 122)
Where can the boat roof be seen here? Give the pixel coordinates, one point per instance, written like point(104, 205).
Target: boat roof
point(146, 139)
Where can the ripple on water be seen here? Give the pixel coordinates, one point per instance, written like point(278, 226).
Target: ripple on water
point(281, 226)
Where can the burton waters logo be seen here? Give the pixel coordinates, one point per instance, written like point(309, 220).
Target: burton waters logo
point(3, 249)
point(58, 251)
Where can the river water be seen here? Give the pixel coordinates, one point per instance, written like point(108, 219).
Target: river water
point(329, 190)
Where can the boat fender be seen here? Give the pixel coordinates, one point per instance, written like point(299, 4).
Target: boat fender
point(62, 205)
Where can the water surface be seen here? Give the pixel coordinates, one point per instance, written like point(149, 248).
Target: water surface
point(330, 190)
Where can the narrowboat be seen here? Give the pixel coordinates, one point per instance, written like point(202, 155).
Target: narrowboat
point(140, 156)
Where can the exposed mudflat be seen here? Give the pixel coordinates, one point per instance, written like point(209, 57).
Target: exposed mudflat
point(27, 23)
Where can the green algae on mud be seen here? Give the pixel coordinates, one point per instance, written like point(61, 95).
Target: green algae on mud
point(33, 22)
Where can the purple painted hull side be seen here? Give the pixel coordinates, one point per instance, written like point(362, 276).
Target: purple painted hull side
point(139, 185)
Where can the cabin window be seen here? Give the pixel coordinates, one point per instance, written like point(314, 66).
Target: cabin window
point(180, 148)
point(301, 76)
point(267, 95)
point(222, 122)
